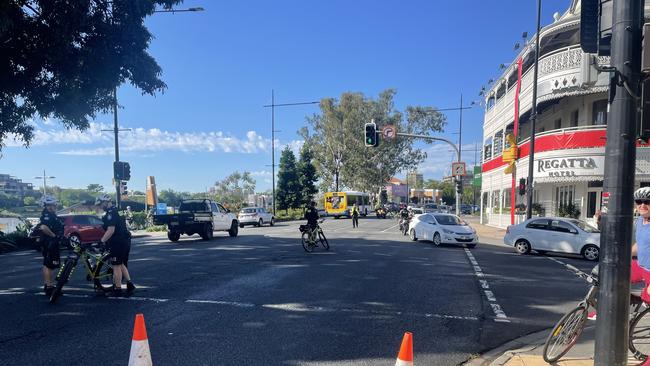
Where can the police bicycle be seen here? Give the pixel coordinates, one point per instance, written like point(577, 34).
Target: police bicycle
point(95, 260)
point(312, 236)
point(568, 329)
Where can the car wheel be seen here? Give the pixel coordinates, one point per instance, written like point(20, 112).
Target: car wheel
point(260, 223)
point(412, 235)
point(272, 221)
point(437, 239)
point(75, 239)
point(590, 252)
point(233, 229)
point(173, 236)
point(522, 246)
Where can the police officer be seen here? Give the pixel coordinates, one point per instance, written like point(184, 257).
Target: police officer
point(118, 239)
point(311, 215)
point(51, 229)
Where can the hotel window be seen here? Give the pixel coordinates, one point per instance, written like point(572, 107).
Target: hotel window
point(557, 124)
point(564, 195)
point(487, 150)
point(599, 115)
point(498, 143)
point(574, 118)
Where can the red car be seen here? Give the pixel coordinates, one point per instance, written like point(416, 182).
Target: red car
point(82, 228)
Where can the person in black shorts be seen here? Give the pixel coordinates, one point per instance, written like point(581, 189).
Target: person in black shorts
point(51, 229)
point(118, 240)
point(312, 215)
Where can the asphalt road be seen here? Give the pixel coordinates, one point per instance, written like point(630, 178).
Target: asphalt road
point(259, 299)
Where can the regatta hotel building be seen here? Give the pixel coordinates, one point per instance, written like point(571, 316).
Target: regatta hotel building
point(570, 129)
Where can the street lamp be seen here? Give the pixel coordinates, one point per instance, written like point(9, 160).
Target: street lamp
point(273, 105)
point(44, 177)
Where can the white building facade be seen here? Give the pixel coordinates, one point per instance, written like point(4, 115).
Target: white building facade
point(570, 129)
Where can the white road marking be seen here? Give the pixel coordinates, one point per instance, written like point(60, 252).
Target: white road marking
point(500, 315)
point(568, 266)
point(230, 303)
point(394, 226)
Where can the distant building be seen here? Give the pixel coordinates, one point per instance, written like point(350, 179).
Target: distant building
point(415, 180)
point(261, 200)
point(14, 186)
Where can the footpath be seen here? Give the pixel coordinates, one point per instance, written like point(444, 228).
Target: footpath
point(527, 350)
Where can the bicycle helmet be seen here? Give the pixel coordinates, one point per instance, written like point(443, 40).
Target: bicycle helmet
point(102, 198)
point(642, 193)
point(49, 200)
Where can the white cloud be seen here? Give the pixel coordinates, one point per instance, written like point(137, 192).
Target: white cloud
point(261, 173)
point(142, 140)
point(440, 156)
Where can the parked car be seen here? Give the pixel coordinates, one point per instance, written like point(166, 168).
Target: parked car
point(417, 211)
point(431, 208)
point(442, 229)
point(80, 229)
point(255, 216)
point(554, 234)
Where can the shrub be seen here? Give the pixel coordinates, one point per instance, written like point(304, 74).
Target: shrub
point(157, 228)
point(569, 210)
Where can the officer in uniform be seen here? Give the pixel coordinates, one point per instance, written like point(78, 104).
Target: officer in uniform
point(51, 229)
point(118, 239)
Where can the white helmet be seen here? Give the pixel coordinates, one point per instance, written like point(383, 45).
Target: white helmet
point(48, 200)
point(102, 198)
point(642, 193)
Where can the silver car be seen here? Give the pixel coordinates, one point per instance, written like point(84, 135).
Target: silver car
point(255, 216)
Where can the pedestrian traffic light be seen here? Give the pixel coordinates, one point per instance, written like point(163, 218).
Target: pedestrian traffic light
point(124, 190)
point(371, 134)
point(121, 170)
point(522, 186)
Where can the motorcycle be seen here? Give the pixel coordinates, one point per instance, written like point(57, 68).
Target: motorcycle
point(404, 226)
point(381, 213)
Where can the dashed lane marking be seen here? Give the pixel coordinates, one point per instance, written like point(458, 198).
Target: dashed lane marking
point(500, 315)
point(568, 266)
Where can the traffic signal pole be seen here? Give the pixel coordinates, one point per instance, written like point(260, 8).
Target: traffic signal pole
point(620, 159)
point(116, 131)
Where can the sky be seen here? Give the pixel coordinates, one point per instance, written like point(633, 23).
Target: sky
point(220, 66)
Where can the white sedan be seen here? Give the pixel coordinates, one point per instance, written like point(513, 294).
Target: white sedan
point(442, 229)
point(255, 216)
point(554, 234)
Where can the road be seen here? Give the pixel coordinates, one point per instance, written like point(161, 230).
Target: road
point(259, 299)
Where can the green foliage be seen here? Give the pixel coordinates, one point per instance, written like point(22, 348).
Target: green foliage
point(335, 136)
point(29, 201)
point(63, 59)
point(69, 197)
point(539, 209)
point(307, 175)
point(171, 197)
point(156, 228)
point(569, 210)
point(291, 214)
point(289, 191)
point(95, 188)
point(8, 201)
point(139, 220)
point(234, 189)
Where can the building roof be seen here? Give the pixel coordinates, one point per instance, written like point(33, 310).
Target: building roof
point(395, 181)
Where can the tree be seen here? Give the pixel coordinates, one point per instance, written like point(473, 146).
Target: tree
point(29, 201)
point(233, 190)
point(336, 137)
point(307, 175)
point(69, 197)
point(63, 59)
point(288, 191)
point(95, 188)
point(171, 197)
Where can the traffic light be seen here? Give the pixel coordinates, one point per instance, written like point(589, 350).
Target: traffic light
point(124, 190)
point(522, 186)
point(459, 185)
point(121, 170)
point(596, 26)
point(372, 139)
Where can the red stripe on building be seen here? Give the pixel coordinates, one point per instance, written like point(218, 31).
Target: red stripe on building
point(568, 140)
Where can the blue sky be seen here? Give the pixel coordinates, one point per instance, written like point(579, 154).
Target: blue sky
point(220, 66)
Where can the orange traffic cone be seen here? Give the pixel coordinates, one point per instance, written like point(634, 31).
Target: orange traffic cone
point(140, 354)
point(405, 356)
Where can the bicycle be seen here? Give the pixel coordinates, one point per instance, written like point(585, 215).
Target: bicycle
point(6, 244)
point(568, 329)
point(309, 236)
point(95, 260)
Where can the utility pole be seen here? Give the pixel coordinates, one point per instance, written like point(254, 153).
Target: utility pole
point(273, 131)
point(116, 131)
point(533, 119)
point(620, 160)
point(45, 178)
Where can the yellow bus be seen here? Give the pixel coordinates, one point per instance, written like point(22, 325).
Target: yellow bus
point(339, 204)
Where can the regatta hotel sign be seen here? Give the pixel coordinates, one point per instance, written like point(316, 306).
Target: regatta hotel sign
point(570, 166)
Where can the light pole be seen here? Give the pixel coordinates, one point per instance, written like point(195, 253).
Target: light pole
point(44, 177)
point(273, 105)
point(533, 119)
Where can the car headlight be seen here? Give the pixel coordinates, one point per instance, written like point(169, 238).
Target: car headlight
point(447, 231)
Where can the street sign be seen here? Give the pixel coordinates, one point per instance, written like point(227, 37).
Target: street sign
point(476, 182)
point(389, 132)
point(458, 168)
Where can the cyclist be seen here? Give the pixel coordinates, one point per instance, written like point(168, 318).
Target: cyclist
point(311, 215)
point(118, 238)
point(51, 229)
point(355, 216)
point(129, 217)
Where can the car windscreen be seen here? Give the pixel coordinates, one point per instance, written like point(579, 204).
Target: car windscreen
point(584, 226)
point(449, 220)
point(193, 207)
point(248, 210)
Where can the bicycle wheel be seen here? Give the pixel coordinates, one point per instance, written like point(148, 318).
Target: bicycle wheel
point(639, 339)
point(61, 279)
point(565, 334)
point(102, 275)
point(309, 247)
point(323, 240)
